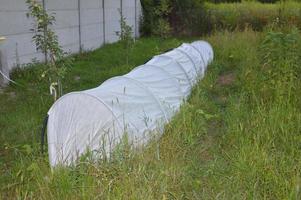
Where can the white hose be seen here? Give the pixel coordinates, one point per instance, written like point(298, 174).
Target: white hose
point(7, 78)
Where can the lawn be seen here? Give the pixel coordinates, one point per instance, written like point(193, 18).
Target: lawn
point(237, 137)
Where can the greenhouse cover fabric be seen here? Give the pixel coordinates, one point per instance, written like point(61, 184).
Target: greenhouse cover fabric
point(137, 104)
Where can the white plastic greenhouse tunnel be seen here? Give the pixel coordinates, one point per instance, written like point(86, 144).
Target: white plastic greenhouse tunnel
point(137, 104)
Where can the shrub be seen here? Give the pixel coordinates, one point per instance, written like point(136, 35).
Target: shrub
point(189, 17)
point(155, 17)
point(185, 17)
point(162, 11)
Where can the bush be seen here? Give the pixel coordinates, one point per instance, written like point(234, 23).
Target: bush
point(155, 18)
point(185, 17)
point(189, 17)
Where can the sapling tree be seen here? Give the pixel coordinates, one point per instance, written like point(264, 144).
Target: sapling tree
point(125, 35)
point(46, 42)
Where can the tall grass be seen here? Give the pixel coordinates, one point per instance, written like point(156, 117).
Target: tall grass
point(238, 136)
point(260, 150)
point(258, 16)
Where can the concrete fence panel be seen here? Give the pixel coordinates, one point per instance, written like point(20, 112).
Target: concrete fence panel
point(81, 25)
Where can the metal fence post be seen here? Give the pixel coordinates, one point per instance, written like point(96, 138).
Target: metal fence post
point(135, 18)
point(104, 21)
point(79, 26)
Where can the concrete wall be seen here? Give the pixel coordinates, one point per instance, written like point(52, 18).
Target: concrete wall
point(80, 25)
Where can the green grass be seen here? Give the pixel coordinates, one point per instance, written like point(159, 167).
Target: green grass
point(238, 136)
point(256, 15)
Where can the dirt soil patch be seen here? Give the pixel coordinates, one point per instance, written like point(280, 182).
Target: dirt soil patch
point(226, 79)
